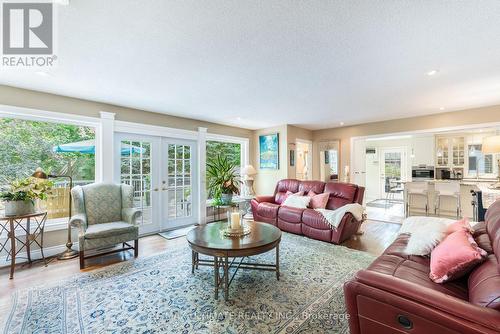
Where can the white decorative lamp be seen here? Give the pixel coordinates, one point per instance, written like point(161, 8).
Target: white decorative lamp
point(248, 173)
point(491, 145)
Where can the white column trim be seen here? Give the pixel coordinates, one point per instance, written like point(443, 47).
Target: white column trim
point(202, 175)
point(107, 115)
point(105, 149)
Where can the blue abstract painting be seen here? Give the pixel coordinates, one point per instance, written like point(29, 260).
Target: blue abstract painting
point(269, 151)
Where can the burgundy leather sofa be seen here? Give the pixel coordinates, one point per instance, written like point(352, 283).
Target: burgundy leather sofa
point(309, 222)
point(395, 294)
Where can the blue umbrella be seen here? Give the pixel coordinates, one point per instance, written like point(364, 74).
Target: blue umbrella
point(88, 147)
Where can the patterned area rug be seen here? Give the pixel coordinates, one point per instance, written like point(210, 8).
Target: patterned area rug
point(160, 295)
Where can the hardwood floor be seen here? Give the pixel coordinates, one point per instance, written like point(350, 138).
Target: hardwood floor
point(375, 238)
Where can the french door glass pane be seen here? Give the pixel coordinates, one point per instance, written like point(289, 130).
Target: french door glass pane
point(179, 181)
point(136, 171)
point(392, 168)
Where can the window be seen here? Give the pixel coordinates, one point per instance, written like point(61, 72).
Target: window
point(59, 149)
point(231, 150)
point(479, 163)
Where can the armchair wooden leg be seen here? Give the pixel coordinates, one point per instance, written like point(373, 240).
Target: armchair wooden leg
point(82, 260)
point(136, 247)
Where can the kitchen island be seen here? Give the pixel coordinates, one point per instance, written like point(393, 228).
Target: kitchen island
point(448, 205)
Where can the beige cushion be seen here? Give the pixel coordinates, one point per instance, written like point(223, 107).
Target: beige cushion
point(104, 230)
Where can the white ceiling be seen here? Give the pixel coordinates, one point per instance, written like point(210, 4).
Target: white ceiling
point(260, 63)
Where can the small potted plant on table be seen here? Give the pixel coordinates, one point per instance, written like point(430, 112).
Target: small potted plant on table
point(20, 198)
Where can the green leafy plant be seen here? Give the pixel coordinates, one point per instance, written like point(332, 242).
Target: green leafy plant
point(27, 189)
point(222, 177)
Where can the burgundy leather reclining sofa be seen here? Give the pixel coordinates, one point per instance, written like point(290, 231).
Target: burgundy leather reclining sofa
point(396, 295)
point(309, 222)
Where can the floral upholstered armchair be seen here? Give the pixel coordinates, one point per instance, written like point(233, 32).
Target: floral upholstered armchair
point(105, 217)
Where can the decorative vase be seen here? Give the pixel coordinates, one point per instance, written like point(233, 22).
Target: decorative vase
point(19, 208)
point(226, 199)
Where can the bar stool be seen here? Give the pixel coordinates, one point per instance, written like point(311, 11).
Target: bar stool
point(395, 188)
point(450, 190)
point(416, 189)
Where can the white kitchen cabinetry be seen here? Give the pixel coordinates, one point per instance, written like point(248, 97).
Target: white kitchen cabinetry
point(450, 152)
point(423, 151)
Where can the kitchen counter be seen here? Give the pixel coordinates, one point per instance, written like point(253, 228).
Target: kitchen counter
point(448, 204)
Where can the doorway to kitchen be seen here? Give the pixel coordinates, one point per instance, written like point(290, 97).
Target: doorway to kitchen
point(386, 169)
point(303, 166)
point(162, 172)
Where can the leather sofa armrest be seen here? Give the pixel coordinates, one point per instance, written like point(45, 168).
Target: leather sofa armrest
point(457, 308)
point(348, 226)
point(260, 199)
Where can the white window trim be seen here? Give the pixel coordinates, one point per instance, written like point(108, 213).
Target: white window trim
point(154, 130)
point(57, 117)
point(106, 125)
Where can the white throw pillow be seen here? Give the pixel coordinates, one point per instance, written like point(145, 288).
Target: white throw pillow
point(425, 233)
point(296, 201)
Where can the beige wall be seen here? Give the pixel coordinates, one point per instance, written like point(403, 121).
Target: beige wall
point(265, 180)
point(443, 120)
point(51, 102)
point(294, 133)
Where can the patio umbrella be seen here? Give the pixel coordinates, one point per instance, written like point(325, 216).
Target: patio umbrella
point(88, 147)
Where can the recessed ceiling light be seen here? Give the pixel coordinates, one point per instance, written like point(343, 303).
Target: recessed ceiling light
point(342, 123)
point(238, 118)
point(442, 108)
point(432, 72)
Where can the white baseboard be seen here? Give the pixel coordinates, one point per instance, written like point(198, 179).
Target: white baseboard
point(36, 254)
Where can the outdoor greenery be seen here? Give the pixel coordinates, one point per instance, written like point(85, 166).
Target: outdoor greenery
point(26, 189)
point(26, 145)
point(222, 177)
point(230, 152)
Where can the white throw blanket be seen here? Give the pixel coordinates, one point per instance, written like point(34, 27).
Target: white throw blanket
point(334, 217)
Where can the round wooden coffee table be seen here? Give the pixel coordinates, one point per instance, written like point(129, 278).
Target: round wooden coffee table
point(209, 240)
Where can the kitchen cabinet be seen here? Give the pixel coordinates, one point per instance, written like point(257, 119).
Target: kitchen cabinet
point(423, 151)
point(450, 151)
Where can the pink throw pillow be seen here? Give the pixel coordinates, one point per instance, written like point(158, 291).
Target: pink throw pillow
point(318, 201)
point(459, 225)
point(455, 256)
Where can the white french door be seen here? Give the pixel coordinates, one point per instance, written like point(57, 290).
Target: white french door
point(163, 174)
point(179, 183)
point(392, 170)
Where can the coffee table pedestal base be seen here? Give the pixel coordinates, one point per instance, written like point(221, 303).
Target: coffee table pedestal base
point(223, 263)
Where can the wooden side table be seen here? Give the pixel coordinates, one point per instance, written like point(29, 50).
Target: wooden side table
point(11, 224)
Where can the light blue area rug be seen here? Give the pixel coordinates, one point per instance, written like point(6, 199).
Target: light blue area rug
point(160, 295)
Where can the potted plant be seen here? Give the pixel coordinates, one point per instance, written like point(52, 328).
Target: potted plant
point(22, 194)
point(222, 179)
